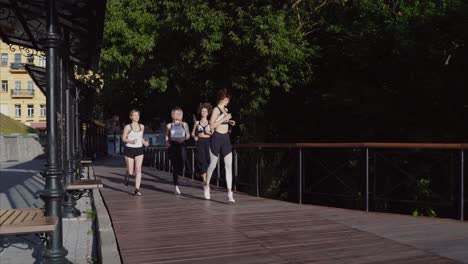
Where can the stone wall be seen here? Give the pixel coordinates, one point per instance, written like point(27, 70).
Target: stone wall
point(21, 147)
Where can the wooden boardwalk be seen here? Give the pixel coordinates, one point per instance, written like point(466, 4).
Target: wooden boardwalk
point(160, 227)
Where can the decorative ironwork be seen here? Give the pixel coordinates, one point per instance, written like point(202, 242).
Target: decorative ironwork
point(25, 51)
point(5, 241)
point(23, 23)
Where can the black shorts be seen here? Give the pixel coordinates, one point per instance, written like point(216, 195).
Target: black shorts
point(220, 144)
point(133, 152)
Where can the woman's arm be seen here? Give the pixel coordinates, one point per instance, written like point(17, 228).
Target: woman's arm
point(125, 132)
point(194, 129)
point(168, 131)
point(187, 131)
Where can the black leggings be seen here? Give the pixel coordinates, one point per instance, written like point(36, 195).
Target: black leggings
point(178, 156)
point(203, 154)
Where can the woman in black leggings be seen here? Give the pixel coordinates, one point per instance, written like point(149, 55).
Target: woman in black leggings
point(177, 133)
point(220, 144)
point(201, 133)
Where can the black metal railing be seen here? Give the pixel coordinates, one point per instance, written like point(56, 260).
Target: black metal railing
point(22, 92)
point(418, 179)
point(94, 140)
point(18, 66)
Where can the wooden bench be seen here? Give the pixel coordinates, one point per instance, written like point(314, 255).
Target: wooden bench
point(84, 185)
point(24, 221)
point(79, 188)
point(87, 163)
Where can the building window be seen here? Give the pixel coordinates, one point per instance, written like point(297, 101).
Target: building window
point(30, 59)
point(42, 110)
point(18, 85)
point(17, 58)
point(30, 110)
point(4, 109)
point(30, 88)
point(17, 110)
point(4, 86)
point(42, 61)
point(4, 59)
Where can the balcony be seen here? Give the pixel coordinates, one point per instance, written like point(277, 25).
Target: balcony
point(18, 67)
point(22, 93)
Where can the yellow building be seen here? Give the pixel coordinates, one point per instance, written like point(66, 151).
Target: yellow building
point(20, 98)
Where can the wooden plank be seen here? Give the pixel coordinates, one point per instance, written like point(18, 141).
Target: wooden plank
point(85, 185)
point(5, 215)
point(27, 220)
point(2, 212)
point(21, 217)
point(160, 227)
point(12, 218)
point(43, 226)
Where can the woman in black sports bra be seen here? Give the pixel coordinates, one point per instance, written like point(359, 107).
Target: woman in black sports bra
point(220, 144)
point(201, 133)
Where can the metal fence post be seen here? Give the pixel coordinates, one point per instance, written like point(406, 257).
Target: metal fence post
point(367, 179)
point(257, 173)
point(300, 175)
point(193, 164)
point(159, 159)
point(219, 172)
point(462, 199)
point(235, 170)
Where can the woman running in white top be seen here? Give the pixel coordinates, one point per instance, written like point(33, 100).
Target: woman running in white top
point(132, 135)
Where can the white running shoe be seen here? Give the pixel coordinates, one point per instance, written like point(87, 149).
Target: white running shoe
point(177, 191)
point(231, 197)
point(206, 192)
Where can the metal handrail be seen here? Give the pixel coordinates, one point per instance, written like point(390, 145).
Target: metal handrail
point(366, 146)
point(348, 145)
point(22, 92)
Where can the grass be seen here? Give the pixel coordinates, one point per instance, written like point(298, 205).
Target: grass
point(9, 126)
point(90, 214)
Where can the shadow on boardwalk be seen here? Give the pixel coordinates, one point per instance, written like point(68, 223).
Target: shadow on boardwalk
point(160, 227)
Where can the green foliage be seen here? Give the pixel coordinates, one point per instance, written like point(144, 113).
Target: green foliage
point(375, 67)
point(90, 214)
point(423, 194)
point(193, 47)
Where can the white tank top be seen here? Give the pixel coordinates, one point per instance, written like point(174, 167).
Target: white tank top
point(221, 116)
point(177, 131)
point(138, 135)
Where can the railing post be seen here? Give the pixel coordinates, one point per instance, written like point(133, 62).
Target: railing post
point(367, 179)
point(219, 172)
point(462, 199)
point(235, 170)
point(53, 191)
point(193, 164)
point(300, 175)
point(257, 171)
point(164, 161)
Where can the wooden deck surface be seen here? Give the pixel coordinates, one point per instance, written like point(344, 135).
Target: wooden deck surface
point(160, 227)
